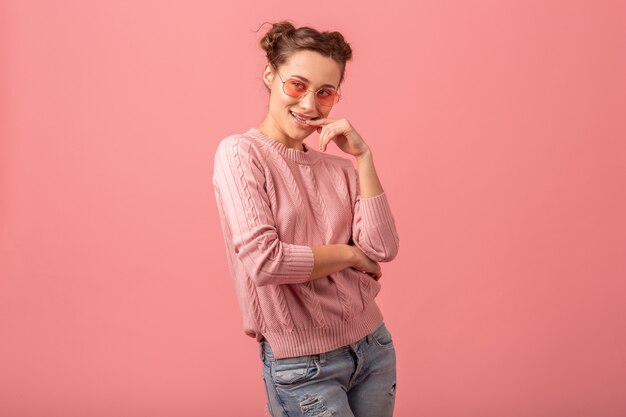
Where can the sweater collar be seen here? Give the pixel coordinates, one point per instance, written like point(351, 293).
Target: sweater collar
point(301, 157)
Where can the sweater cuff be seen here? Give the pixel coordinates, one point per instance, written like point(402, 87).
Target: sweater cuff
point(375, 210)
point(298, 262)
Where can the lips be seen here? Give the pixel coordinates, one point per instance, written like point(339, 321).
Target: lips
point(301, 117)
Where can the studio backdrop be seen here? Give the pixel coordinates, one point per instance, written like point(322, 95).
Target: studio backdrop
point(498, 131)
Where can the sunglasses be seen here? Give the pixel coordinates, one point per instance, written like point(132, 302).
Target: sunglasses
point(296, 88)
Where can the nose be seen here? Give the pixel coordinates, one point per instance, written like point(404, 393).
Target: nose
point(307, 101)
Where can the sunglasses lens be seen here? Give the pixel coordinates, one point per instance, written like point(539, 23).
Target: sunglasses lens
point(327, 97)
point(294, 88)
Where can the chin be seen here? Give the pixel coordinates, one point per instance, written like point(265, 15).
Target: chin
point(302, 134)
point(296, 132)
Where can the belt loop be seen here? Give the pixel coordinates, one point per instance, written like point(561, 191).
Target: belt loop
point(369, 338)
point(262, 351)
point(322, 358)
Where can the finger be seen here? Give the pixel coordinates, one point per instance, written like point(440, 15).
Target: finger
point(323, 137)
point(329, 134)
point(320, 122)
point(323, 134)
point(375, 276)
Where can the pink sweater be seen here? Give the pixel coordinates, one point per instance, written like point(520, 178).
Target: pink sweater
point(275, 203)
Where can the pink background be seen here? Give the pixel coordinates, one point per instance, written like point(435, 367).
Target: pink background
point(498, 129)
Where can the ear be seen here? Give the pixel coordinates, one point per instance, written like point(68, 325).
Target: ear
point(268, 76)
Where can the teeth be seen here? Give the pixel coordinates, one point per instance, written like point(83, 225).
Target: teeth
point(300, 118)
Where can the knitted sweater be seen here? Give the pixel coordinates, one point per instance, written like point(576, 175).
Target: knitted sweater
point(275, 203)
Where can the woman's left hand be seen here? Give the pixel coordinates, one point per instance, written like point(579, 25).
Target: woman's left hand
point(344, 135)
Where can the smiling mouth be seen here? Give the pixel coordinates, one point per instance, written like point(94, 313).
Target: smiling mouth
point(302, 119)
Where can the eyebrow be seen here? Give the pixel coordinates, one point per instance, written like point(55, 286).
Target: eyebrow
point(308, 81)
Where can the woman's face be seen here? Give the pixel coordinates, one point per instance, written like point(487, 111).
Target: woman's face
point(315, 71)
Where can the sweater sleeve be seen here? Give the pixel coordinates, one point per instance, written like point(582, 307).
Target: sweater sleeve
point(374, 229)
point(247, 221)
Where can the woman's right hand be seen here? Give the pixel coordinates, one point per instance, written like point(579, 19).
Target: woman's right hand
point(329, 259)
point(364, 264)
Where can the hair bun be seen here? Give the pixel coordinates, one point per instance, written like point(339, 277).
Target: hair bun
point(272, 36)
point(283, 39)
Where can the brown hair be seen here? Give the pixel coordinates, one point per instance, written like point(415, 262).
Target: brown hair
point(283, 39)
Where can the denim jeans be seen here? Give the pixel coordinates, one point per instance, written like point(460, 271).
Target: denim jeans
point(355, 380)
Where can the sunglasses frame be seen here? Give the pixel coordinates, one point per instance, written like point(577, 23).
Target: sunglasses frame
point(312, 91)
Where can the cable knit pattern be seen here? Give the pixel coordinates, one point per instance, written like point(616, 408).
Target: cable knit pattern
point(275, 203)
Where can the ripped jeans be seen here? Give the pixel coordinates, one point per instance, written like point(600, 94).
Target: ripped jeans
point(357, 380)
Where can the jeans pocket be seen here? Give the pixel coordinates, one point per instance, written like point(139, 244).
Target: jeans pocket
point(382, 338)
point(289, 372)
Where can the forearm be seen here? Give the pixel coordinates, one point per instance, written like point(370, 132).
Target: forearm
point(373, 228)
point(329, 259)
point(370, 185)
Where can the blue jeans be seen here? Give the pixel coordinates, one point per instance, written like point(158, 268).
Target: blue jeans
point(355, 380)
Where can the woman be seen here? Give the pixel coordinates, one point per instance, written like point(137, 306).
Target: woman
point(305, 232)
